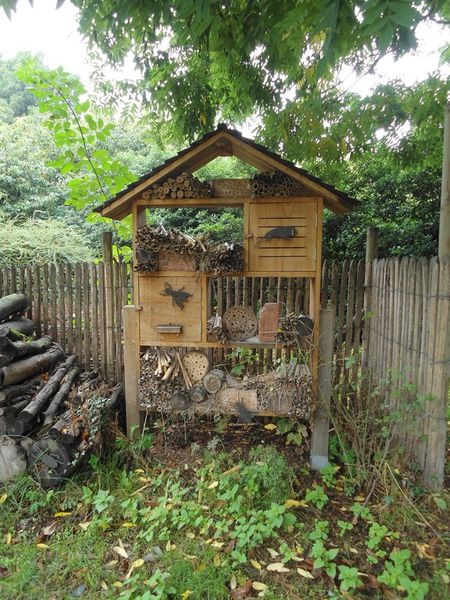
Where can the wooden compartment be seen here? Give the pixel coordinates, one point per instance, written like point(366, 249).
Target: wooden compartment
point(278, 254)
point(160, 309)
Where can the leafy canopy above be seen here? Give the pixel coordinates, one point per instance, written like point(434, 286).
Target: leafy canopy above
point(204, 60)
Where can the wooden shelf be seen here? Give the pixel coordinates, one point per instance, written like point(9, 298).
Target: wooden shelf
point(244, 344)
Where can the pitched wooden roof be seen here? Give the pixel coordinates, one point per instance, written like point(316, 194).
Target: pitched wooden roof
point(224, 142)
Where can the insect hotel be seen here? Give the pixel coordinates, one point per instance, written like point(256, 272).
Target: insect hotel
point(190, 345)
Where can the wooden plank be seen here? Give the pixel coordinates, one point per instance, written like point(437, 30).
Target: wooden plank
point(53, 302)
point(61, 305)
point(102, 318)
point(94, 315)
point(29, 288)
point(69, 309)
point(78, 325)
point(86, 305)
point(358, 318)
point(36, 302)
point(118, 324)
point(109, 304)
point(45, 300)
point(132, 368)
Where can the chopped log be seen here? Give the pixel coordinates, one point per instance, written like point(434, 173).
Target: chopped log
point(8, 394)
point(213, 380)
point(180, 400)
point(9, 412)
point(9, 350)
point(197, 393)
point(17, 428)
point(3, 425)
point(56, 429)
point(60, 395)
point(12, 305)
point(21, 370)
point(17, 329)
point(116, 397)
point(49, 389)
point(12, 459)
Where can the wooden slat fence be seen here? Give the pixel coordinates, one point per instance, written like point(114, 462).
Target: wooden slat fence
point(79, 306)
point(403, 337)
point(408, 347)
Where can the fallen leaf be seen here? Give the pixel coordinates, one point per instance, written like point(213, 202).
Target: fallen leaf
point(233, 582)
point(104, 586)
point(78, 591)
point(117, 584)
point(255, 564)
point(8, 538)
point(242, 592)
point(294, 503)
point(278, 567)
point(213, 485)
point(137, 563)
point(234, 469)
point(84, 526)
point(259, 586)
point(425, 551)
point(112, 563)
point(359, 498)
point(42, 546)
point(139, 471)
point(126, 524)
point(230, 547)
point(270, 426)
point(304, 573)
point(273, 553)
point(62, 514)
point(216, 560)
point(50, 529)
point(3, 498)
point(190, 535)
point(186, 594)
point(120, 551)
point(216, 544)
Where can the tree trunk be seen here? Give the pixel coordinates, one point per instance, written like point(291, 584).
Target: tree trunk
point(20, 370)
point(49, 389)
point(13, 304)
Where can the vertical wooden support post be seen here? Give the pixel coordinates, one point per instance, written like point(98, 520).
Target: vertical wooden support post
point(109, 304)
point(371, 254)
point(319, 440)
point(444, 220)
point(131, 364)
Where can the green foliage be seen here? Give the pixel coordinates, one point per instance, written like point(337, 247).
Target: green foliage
point(348, 576)
point(398, 574)
point(324, 558)
point(201, 61)
point(15, 99)
point(40, 241)
point(316, 496)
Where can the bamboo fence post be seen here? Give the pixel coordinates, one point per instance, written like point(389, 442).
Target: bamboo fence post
point(132, 368)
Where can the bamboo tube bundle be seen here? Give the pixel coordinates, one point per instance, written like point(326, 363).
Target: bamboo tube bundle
point(275, 183)
point(214, 330)
point(184, 185)
point(208, 257)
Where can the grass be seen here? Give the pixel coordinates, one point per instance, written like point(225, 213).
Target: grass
point(199, 524)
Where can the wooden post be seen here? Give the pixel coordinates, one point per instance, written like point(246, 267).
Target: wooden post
point(109, 304)
point(319, 439)
point(131, 364)
point(371, 254)
point(444, 220)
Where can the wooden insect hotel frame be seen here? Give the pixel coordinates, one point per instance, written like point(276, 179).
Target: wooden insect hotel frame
point(172, 324)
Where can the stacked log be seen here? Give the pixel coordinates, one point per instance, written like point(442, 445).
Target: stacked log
point(208, 257)
point(38, 384)
point(275, 183)
point(183, 186)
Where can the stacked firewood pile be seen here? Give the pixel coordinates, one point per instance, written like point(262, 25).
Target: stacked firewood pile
point(45, 409)
point(183, 186)
point(275, 183)
point(208, 257)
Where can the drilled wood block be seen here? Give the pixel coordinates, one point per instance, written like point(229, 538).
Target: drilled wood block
point(268, 322)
